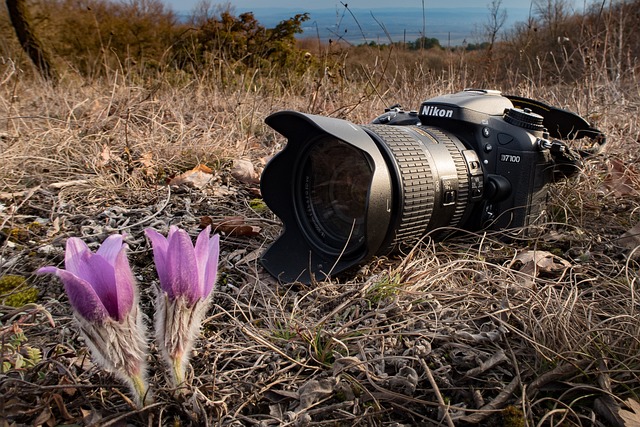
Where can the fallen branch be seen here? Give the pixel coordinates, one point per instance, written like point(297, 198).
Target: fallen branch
point(560, 372)
point(497, 403)
point(494, 360)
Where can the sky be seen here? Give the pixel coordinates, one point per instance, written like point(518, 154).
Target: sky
point(452, 22)
point(304, 5)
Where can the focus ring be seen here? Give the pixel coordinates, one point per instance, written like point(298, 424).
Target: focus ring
point(417, 183)
point(425, 158)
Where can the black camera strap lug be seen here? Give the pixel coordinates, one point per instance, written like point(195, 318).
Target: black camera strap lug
point(563, 124)
point(568, 162)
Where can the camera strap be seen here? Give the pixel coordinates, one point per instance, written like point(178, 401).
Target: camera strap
point(563, 124)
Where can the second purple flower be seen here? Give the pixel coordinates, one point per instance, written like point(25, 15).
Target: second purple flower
point(187, 275)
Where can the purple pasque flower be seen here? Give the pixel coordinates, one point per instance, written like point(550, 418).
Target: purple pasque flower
point(187, 275)
point(100, 285)
point(184, 270)
point(101, 290)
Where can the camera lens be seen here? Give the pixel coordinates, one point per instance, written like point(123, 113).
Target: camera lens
point(347, 192)
point(334, 187)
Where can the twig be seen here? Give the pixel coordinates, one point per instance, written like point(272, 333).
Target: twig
point(29, 193)
point(63, 184)
point(119, 417)
point(494, 360)
point(561, 372)
point(436, 390)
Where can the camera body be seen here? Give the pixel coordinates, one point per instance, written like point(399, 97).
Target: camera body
point(469, 160)
point(504, 154)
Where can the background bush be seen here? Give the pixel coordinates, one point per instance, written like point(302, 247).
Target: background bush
point(91, 38)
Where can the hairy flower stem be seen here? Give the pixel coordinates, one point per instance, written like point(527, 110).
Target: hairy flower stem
point(178, 370)
point(120, 348)
point(177, 327)
point(140, 389)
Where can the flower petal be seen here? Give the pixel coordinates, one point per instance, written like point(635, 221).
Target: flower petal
point(82, 296)
point(103, 281)
point(76, 254)
point(47, 270)
point(160, 247)
point(182, 268)
point(202, 256)
point(125, 283)
point(110, 248)
point(172, 231)
point(211, 272)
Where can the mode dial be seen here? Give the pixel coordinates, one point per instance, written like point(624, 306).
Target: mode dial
point(524, 118)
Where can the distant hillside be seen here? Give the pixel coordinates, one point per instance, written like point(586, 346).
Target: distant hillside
point(450, 26)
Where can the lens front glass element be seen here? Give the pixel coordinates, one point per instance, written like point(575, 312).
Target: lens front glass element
point(336, 179)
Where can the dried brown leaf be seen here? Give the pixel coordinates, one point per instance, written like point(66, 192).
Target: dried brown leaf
point(199, 177)
point(232, 226)
point(536, 262)
point(631, 238)
point(631, 418)
point(622, 179)
point(59, 402)
point(105, 156)
point(244, 171)
point(148, 165)
point(45, 417)
point(69, 391)
point(314, 390)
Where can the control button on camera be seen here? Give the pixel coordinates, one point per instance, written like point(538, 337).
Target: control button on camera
point(477, 186)
point(449, 197)
point(504, 138)
point(486, 132)
point(498, 188)
point(488, 148)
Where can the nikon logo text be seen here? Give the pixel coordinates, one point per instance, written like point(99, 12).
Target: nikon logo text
point(433, 111)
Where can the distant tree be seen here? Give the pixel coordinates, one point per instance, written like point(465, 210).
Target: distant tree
point(553, 14)
point(424, 43)
point(21, 21)
point(497, 18)
point(477, 46)
point(282, 39)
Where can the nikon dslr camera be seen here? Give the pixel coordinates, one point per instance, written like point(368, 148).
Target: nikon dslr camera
point(470, 160)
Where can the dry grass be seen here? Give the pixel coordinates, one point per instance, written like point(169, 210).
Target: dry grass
point(455, 332)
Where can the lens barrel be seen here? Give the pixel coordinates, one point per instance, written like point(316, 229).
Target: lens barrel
point(436, 179)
